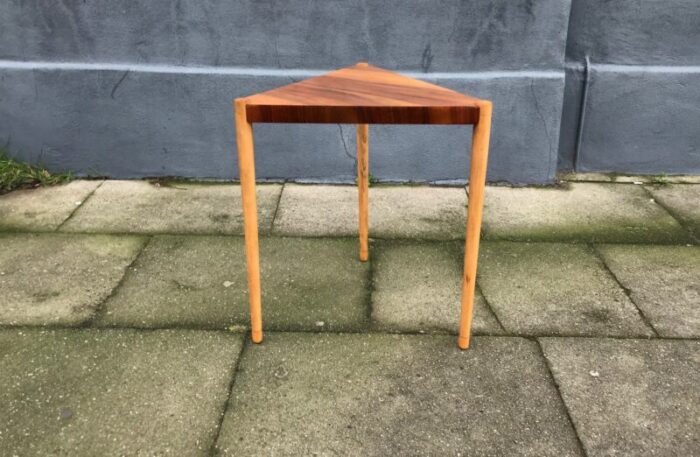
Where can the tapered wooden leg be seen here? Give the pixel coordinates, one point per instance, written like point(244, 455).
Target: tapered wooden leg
point(246, 164)
point(363, 187)
point(477, 181)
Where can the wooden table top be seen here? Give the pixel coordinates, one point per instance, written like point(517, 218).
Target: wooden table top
point(362, 94)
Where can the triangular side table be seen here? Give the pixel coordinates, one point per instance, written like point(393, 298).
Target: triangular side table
point(363, 95)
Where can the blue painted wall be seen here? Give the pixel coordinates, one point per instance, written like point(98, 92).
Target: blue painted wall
point(634, 65)
point(134, 89)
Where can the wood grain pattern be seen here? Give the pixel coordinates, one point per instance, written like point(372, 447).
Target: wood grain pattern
point(246, 164)
point(477, 181)
point(363, 188)
point(362, 94)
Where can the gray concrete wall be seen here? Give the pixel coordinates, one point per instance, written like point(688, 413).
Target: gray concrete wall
point(154, 123)
point(641, 88)
point(133, 89)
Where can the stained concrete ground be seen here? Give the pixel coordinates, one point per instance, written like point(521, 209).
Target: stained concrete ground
point(123, 322)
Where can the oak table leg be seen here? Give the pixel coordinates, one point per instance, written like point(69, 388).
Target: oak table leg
point(477, 180)
point(246, 164)
point(363, 187)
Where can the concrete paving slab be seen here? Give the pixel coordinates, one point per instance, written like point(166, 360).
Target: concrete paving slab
point(43, 208)
point(586, 177)
point(307, 284)
point(417, 287)
point(142, 207)
point(630, 397)
point(682, 179)
point(314, 210)
point(615, 213)
point(683, 200)
point(659, 179)
point(664, 282)
point(394, 211)
point(59, 279)
point(555, 289)
point(378, 395)
point(113, 393)
point(635, 179)
point(418, 212)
